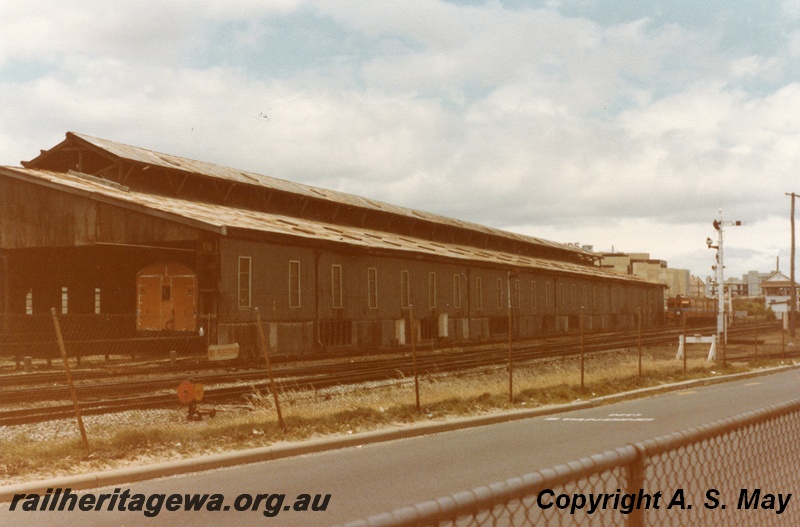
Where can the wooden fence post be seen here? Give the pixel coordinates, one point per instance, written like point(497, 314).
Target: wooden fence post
point(265, 346)
point(72, 391)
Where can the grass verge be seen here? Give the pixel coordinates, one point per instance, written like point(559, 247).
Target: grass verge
point(135, 438)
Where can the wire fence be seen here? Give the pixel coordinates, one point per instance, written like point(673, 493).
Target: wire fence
point(89, 335)
point(738, 471)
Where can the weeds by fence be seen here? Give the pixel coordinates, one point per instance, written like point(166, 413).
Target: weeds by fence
point(738, 471)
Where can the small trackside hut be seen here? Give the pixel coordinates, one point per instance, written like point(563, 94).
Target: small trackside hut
point(184, 246)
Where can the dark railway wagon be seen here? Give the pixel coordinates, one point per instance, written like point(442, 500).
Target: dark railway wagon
point(693, 310)
point(112, 228)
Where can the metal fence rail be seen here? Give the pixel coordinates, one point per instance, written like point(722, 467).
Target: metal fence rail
point(743, 470)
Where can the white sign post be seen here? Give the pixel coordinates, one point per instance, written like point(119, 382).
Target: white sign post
point(698, 339)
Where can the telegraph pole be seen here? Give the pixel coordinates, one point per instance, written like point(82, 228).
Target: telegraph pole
point(792, 287)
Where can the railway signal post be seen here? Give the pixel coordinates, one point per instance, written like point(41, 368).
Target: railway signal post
point(719, 267)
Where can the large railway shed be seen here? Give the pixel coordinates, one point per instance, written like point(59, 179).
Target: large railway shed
point(100, 228)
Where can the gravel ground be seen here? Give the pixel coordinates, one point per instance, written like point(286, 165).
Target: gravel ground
point(68, 428)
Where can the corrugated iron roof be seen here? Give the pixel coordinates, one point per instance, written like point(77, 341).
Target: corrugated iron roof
point(220, 218)
point(149, 157)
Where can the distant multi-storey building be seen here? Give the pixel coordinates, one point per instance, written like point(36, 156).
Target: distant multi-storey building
point(750, 284)
point(641, 265)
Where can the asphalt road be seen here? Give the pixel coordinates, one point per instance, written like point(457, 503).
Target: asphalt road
point(380, 477)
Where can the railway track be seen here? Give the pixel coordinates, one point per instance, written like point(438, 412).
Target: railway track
point(115, 396)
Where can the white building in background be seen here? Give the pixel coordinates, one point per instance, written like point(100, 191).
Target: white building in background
point(777, 292)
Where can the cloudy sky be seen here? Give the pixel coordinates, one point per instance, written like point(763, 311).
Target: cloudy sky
point(617, 124)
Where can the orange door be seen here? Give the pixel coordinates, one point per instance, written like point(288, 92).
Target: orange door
point(167, 298)
point(149, 305)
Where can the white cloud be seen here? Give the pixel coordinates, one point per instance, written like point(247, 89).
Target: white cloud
point(629, 134)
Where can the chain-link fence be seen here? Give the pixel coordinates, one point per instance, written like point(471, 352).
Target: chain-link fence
point(738, 471)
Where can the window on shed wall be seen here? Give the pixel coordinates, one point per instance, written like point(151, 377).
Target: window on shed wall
point(245, 281)
point(64, 300)
point(294, 283)
point(533, 294)
point(574, 301)
point(500, 295)
point(432, 290)
point(517, 299)
point(97, 301)
point(561, 300)
point(456, 291)
point(405, 289)
point(548, 294)
point(29, 302)
point(478, 293)
point(372, 288)
point(585, 299)
point(336, 286)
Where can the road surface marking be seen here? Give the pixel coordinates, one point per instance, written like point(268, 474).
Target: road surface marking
point(611, 418)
